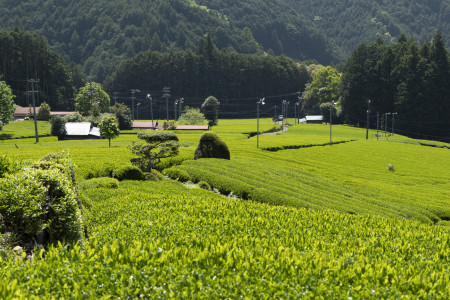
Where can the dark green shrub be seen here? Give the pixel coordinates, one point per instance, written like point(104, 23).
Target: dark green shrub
point(211, 146)
point(40, 205)
point(154, 175)
point(204, 185)
point(177, 174)
point(58, 126)
point(123, 115)
point(128, 173)
point(44, 112)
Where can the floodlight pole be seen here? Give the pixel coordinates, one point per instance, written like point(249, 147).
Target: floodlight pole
point(175, 104)
point(166, 95)
point(132, 100)
point(368, 113)
point(180, 106)
point(137, 110)
point(393, 118)
point(151, 106)
point(385, 123)
point(261, 101)
point(331, 115)
point(33, 81)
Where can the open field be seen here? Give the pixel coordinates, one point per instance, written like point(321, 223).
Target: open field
point(344, 225)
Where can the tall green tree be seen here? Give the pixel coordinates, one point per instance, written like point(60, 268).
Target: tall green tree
point(210, 110)
point(6, 104)
point(89, 95)
point(109, 128)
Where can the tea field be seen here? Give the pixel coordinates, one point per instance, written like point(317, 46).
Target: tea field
point(355, 220)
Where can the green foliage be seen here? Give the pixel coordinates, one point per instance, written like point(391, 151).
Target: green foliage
point(95, 183)
point(90, 95)
point(44, 112)
point(27, 55)
point(197, 75)
point(204, 185)
point(159, 145)
point(325, 88)
point(177, 174)
point(123, 115)
point(5, 165)
point(40, 203)
point(209, 108)
point(109, 128)
point(127, 172)
point(7, 105)
point(57, 128)
point(192, 116)
point(401, 78)
point(154, 175)
point(75, 117)
point(211, 146)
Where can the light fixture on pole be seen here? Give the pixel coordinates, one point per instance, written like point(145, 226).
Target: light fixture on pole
point(297, 106)
point(132, 100)
point(180, 107)
point(175, 104)
point(261, 101)
point(285, 108)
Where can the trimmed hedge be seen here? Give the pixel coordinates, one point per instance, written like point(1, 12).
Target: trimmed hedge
point(128, 173)
point(211, 146)
point(177, 174)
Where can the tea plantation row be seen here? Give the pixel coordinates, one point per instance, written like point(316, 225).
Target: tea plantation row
point(162, 240)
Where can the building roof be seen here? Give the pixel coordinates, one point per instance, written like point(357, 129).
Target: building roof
point(24, 111)
point(314, 118)
point(81, 129)
point(146, 125)
point(192, 127)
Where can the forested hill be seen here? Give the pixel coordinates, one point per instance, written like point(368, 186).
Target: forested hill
point(98, 34)
point(349, 22)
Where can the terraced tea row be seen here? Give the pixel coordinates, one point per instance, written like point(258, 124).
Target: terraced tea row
point(161, 240)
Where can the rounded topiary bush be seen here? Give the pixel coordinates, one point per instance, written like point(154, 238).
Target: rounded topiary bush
point(204, 185)
point(102, 182)
point(154, 175)
point(211, 146)
point(177, 174)
point(128, 173)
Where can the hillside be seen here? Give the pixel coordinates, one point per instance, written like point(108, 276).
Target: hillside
point(99, 34)
point(343, 225)
point(348, 23)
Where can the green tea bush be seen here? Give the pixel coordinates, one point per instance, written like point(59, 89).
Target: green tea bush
point(5, 165)
point(204, 185)
point(177, 174)
point(103, 182)
point(40, 205)
point(57, 126)
point(211, 146)
point(128, 172)
point(61, 158)
point(154, 175)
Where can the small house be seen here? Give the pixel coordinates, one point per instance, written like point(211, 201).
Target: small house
point(81, 131)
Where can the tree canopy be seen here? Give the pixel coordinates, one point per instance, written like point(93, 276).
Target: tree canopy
point(92, 96)
point(6, 104)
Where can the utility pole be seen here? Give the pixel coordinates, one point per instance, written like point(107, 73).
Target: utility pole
point(166, 95)
point(393, 118)
point(33, 81)
point(137, 110)
point(285, 108)
point(297, 106)
point(368, 113)
point(385, 123)
point(331, 116)
point(149, 97)
point(261, 101)
point(378, 122)
point(180, 107)
point(132, 100)
point(175, 104)
point(115, 97)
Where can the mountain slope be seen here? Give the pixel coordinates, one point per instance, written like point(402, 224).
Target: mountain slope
point(348, 23)
point(100, 34)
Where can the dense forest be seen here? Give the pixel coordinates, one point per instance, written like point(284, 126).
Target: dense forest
point(237, 80)
point(350, 22)
point(99, 34)
point(405, 79)
point(25, 56)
